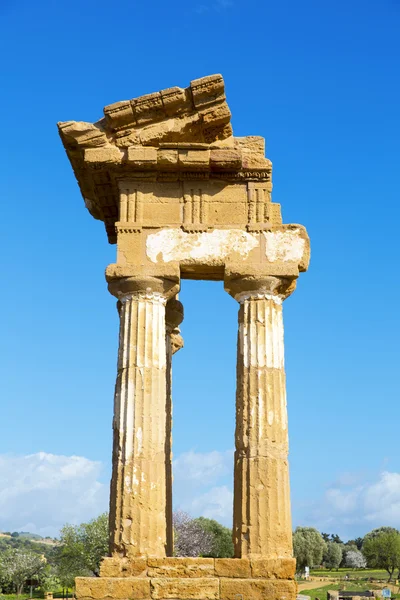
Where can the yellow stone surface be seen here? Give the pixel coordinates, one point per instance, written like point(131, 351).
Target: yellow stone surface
point(281, 568)
point(123, 567)
point(183, 198)
point(258, 589)
point(232, 567)
point(118, 588)
point(166, 588)
point(181, 567)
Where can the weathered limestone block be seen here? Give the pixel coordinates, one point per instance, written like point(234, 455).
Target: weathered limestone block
point(144, 156)
point(258, 589)
point(125, 588)
point(116, 566)
point(269, 568)
point(181, 567)
point(285, 251)
point(232, 567)
point(166, 588)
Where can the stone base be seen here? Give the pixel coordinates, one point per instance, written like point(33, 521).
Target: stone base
point(190, 579)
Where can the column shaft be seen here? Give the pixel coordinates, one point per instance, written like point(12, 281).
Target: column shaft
point(262, 521)
point(138, 485)
point(168, 451)
point(174, 342)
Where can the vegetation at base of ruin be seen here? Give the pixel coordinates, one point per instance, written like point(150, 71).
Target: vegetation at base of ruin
point(54, 566)
point(222, 546)
point(81, 549)
point(308, 547)
point(383, 550)
point(38, 593)
point(321, 592)
point(201, 537)
point(354, 574)
point(190, 537)
point(17, 566)
point(380, 549)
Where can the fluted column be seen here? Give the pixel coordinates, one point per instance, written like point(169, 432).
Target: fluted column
point(174, 342)
point(138, 486)
point(262, 520)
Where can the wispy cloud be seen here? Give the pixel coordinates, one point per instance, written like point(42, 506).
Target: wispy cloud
point(217, 504)
point(203, 468)
point(352, 506)
point(203, 484)
point(41, 492)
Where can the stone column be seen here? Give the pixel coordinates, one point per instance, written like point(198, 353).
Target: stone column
point(174, 342)
point(138, 486)
point(262, 520)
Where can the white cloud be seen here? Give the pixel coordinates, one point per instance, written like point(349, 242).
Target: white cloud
point(203, 468)
point(352, 507)
point(382, 499)
point(217, 504)
point(202, 484)
point(41, 492)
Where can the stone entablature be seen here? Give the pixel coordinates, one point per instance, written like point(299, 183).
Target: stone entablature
point(177, 135)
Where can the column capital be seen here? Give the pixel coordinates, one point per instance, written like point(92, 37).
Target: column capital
point(173, 313)
point(243, 287)
point(156, 287)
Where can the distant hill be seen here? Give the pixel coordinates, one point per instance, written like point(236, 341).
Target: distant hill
point(27, 540)
point(30, 536)
point(27, 536)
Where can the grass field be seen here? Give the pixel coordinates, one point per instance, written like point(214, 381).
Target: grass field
point(36, 594)
point(352, 573)
point(321, 592)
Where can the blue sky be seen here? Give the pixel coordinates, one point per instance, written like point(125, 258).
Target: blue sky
point(319, 80)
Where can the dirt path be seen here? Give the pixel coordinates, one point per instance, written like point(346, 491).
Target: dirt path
point(312, 585)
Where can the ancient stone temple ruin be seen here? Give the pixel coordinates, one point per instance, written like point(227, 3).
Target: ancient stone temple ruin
point(182, 198)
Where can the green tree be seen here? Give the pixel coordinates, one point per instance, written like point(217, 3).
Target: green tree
point(222, 538)
point(81, 548)
point(16, 566)
point(49, 581)
point(66, 575)
point(332, 555)
point(335, 538)
point(190, 539)
point(357, 542)
point(378, 531)
point(308, 546)
point(382, 551)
